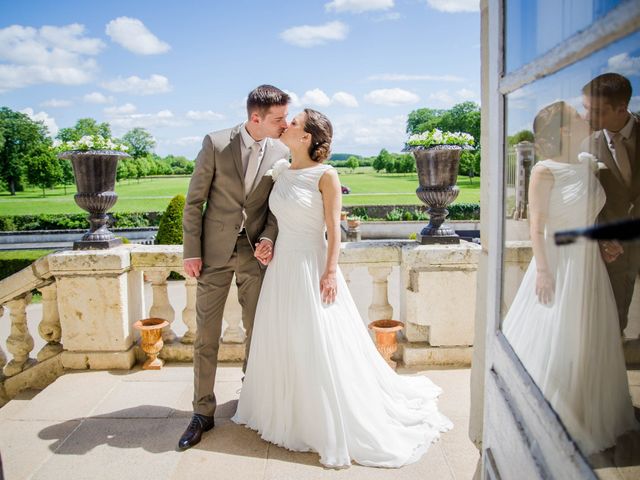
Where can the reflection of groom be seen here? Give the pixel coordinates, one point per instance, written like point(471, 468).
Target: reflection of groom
point(229, 177)
point(616, 143)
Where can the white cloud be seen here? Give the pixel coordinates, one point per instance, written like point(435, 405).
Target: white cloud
point(309, 35)
point(43, 117)
point(455, 6)
point(46, 55)
point(401, 77)
point(127, 121)
point(358, 6)
point(56, 103)
point(139, 86)
point(204, 116)
point(295, 100)
point(125, 109)
point(344, 98)
point(97, 97)
point(634, 104)
point(624, 64)
point(466, 94)
point(316, 97)
point(132, 34)
point(360, 133)
point(391, 97)
point(443, 97)
point(185, 141)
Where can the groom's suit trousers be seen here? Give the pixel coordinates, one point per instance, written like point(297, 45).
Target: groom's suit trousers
point(213, 289)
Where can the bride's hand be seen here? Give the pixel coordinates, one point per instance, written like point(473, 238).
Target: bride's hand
point(328, 287)
point(545, 287)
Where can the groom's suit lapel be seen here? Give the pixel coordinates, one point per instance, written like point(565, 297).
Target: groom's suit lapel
point(604, 155)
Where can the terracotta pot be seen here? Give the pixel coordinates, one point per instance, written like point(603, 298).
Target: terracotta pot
point(386, 341)
point(151, 341)
point(353, 224)
point(343, 216)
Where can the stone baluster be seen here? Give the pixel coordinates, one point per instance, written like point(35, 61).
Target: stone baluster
point(346, 273)
point(234, 332)
point(49, 328)
point(380, 308)
point(3, 356)
point(20, 342)
point(189, 312)
point(161, 307)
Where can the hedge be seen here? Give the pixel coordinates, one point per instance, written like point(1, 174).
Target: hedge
point(13, 261)
point(76, 221)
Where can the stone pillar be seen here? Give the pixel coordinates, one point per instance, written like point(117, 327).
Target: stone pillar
point(438, 290)
point(189, 312)
point(346, 273)
point(49, 328)
point(93, 307)
point(161, 307)
point(380, 308)
point(20, 341)
point(524, 161)
point(233, 333)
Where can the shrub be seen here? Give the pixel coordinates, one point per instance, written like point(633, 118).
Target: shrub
point(464, 211)
point(360, 212)
point(13, 261)
point(170, 229)
point(75, 221)
point(394, 215)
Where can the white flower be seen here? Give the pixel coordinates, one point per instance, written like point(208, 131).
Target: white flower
point(590, 159)
point(277, 168)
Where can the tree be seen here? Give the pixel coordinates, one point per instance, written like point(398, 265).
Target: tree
point(423, 119)
point(21, 137)
point(67, 177)
point(43, 168)
point(380, 162)
point(141, 143)
point(407, 164)
point(84, 126)
point(352, 163)
point(521, 136)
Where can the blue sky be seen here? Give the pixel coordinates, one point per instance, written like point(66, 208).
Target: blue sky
point(183, 68)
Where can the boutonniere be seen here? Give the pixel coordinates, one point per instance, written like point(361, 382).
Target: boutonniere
point(277, 168)
point(591, 160)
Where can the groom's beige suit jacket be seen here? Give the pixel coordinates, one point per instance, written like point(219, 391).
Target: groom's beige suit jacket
point(218, 182)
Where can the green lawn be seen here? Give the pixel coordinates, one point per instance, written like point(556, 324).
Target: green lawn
point(367, 188)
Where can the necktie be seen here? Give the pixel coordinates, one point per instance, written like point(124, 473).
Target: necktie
point(252, 168)
point(622, 157)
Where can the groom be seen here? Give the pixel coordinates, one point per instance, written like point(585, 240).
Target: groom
point(616, 143)
point(229, 176)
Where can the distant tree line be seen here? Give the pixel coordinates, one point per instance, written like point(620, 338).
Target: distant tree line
point(27, 156)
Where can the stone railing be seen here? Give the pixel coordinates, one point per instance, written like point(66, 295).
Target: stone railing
point(22, 370)
point(92, 298)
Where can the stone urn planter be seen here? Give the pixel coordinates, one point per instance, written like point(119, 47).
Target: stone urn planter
point(95, 176)
point(151, 341)
point(437, 175)
point(386, 341)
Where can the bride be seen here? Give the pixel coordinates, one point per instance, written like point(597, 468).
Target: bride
point(314, 379)
point(563, 321)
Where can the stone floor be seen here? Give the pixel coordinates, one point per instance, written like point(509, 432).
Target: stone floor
point(125, 425)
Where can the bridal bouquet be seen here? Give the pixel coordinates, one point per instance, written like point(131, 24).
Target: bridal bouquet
point(90, 142)
point(436, 137)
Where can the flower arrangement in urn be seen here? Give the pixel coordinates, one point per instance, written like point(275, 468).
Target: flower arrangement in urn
point(95, 160)
point(437, 155)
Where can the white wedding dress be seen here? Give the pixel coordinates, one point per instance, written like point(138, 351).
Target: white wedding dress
point(572, 348)
point(315, 381)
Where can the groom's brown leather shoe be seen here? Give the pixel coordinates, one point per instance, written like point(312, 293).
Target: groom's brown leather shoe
point(192, 435)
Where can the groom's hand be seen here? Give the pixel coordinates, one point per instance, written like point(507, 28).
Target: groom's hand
point(264, 251)
point(610, 250)
point(193, 266)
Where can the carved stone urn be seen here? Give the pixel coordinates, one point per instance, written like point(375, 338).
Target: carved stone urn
point(437, 175)
point(386, 341)
point(151, 341)
point(95, 175)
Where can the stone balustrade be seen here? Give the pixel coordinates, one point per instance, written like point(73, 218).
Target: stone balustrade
point(90, 300)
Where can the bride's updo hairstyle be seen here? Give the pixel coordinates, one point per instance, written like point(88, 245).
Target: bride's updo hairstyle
point(548, 128)
point(321, 132)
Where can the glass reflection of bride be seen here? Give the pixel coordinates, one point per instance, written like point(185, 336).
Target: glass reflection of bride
point(563, 322)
